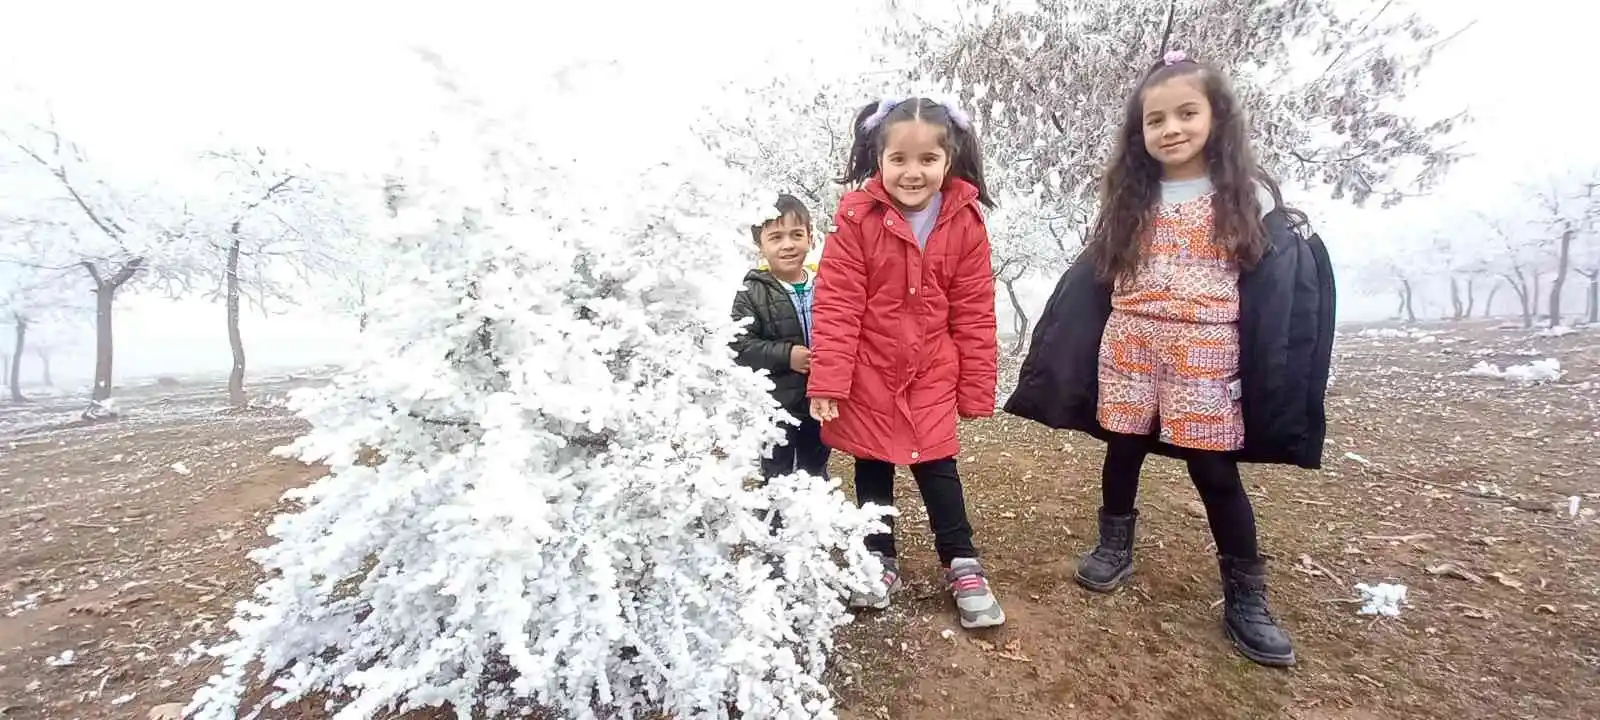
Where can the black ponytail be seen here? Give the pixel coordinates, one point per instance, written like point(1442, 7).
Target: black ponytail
point(864, 149)
point(966, 156)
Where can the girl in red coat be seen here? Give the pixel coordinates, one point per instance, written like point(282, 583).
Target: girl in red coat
point(903, 340)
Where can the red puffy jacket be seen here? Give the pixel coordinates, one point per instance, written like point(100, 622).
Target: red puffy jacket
point(904, 338)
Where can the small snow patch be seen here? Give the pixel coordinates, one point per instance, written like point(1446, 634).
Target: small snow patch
point(180, 468)
point(1538, 371)
point(66, 658)
point(1382, 599)
point(1557, 331)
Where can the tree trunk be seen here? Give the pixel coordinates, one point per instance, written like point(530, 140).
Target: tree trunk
point(236, 396)
point(1457, 309)
point(1411, 314)
point(1471, 303)
point(1560, 283)
point(44, 367)
point(1020, 320)
point(16, 359)
point(5, 370)
point(1525, 299)
point(1488, 302)
point(1592, 311)
point(1533, 297)
point(105, 295)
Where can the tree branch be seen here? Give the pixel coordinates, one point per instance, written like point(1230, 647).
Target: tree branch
point(94, 273)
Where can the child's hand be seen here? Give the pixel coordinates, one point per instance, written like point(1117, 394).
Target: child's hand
point(800, 359)
point(824, 409)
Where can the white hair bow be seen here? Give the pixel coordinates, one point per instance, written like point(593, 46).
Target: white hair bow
point(887, 104)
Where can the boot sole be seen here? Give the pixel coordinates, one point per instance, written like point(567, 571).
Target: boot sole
point(984, 621)
point(1117, 581)
point(1259, 658)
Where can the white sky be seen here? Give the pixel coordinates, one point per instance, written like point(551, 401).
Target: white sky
point(141, 85)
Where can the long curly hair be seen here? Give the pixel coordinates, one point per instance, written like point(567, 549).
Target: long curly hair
point(1131, 185)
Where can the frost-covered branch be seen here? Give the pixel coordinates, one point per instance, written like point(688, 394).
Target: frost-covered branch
point(563, 511)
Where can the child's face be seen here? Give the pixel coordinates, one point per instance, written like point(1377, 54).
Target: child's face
point(1177, 123)
point(914, 162)
point(784, 244)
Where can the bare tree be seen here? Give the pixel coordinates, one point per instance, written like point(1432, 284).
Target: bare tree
point(1460, 253)
point(42, 352)
point(793, 134)
point(268, 223)
point(19, 341)
point(28, 297)
point(1518, 266)
point(1569, 211)
point(109, 234)
point(1488, 301)
point(1027, 234)
point(1048, 80)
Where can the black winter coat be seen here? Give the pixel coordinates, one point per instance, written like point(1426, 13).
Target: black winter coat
point(1286, 315)
point(766, 343)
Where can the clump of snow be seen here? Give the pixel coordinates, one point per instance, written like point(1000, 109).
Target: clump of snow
point(1557, 331)
point(1382, 599)
point(1538, 371)
point(1418, 334)
point(561, 511)
point(101, 410)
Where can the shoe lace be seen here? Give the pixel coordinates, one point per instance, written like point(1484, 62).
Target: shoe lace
point(1250, 605)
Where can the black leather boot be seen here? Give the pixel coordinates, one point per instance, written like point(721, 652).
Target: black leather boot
point(1111, 562)
point(1245, 617)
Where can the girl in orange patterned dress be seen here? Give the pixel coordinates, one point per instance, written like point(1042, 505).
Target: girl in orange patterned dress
point(1215, 314)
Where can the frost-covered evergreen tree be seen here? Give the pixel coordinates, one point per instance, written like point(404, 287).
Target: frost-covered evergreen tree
point(542, 476)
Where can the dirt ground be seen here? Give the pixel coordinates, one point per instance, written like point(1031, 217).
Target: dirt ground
point(125, 545)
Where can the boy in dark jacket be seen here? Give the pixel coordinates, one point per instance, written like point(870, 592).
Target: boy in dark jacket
point(779, 340)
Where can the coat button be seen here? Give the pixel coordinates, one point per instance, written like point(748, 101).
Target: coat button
point(913, 291)
point(888, 222)
point(914, 455)
point(850, 213)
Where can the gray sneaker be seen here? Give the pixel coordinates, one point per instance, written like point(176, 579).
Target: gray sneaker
point(970, 588)
point(879, 599)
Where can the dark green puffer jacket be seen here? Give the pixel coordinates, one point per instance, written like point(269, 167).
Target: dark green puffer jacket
point(766, 343)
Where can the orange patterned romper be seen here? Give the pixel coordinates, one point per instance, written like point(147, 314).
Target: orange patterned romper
point(1170, 351)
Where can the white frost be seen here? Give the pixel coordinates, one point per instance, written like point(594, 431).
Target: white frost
point(541, 469)
point(1382, 599)
point(1538, 371)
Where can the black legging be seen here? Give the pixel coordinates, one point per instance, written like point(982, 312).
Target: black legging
point(1215, 477)
point(940, 484)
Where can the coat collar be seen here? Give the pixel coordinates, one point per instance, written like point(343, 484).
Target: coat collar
point(958, 195)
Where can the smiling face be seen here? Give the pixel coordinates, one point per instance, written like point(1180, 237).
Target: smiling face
point(1177, 124)
point(914, 162)
point(784, 244)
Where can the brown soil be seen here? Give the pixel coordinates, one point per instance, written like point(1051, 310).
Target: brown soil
point(117, 555)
